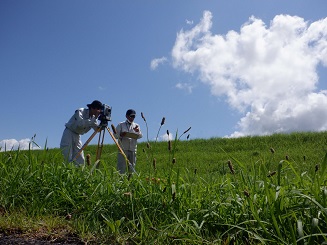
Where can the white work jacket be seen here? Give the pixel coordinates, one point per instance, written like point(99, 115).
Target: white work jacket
point(128, 143)
point(80, 122)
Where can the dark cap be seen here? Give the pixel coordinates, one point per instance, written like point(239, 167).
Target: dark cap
point(130, 112)
point(95, 104)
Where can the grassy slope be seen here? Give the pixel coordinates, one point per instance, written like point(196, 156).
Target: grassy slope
point(198, 181)
point(213, 153)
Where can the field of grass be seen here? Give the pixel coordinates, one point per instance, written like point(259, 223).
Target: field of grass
point(251, 190)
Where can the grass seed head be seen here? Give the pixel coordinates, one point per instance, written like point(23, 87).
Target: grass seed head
point(271, 174)
point(287, 157)
point(246, 193)
point(113, 129)
point(188, 136)
point(167, 132)
point(143, 117)
point(148, 145)
point(88, 159)
point(169, 145)
point(272, 150)
point(317, 167)
point(195, 170)
point(231, 167)
point(174, 160)
point(163, 121)
point(304, 158)
point(154, 163)
point(187, 130)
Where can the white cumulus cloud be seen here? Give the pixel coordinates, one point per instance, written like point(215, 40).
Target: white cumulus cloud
point(156, 62)
point(189, 22)
point(166, 137)
point(13, 144)
point(185, 86)
point(266, 72)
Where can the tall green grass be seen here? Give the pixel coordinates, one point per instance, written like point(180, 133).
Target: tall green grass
point(251, 190)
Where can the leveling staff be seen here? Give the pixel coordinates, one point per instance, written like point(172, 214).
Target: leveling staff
point(80, 123)
point(127, 133)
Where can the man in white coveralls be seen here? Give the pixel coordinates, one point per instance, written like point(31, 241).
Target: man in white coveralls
point(80, 123)
point(127, 133)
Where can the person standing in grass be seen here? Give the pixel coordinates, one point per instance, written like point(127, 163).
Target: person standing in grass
point(127, 133)
point(80, 123)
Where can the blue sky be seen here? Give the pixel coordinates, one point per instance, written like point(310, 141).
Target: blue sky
point(224, 68)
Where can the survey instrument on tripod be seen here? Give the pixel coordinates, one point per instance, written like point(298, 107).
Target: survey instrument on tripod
point(104, 118)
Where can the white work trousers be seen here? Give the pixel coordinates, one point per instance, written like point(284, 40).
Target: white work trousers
point(70, 145)
point(121, 162)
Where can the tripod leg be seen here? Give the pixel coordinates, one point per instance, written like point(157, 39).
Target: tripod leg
point(100, 144)
point(119, 148)
point(86, 143)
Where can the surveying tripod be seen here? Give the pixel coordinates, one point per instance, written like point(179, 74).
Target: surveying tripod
point(101, 130)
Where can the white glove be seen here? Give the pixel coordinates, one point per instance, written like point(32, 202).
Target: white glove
point(93, 122)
